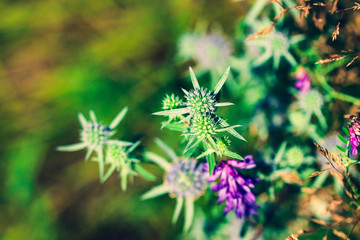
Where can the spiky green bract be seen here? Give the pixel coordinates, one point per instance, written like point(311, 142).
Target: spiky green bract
point(171, 102)
point(117, 156)
point(184, 179)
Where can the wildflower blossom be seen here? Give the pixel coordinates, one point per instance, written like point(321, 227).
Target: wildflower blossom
point(94, 136)
point(184, 179)
point(354, 131)
point(303, 82)
point(233, 188)
point(212, 51)
point(187, 46)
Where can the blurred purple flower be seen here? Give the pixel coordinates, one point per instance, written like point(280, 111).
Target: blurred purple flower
point(354, 130)
point(235, 189)
point(303, 82)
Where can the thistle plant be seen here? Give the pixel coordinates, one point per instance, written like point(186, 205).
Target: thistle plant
point(200, 114)
point(184, 179)
point(276, 46)
point(95, 137)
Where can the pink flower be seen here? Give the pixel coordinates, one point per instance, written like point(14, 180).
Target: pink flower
point(354, 130)
point(303, 82)
point(233, 188)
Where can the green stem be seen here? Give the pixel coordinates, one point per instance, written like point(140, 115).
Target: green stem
point(337, 95)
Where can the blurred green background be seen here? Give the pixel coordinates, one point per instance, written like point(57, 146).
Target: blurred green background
point(61, 57)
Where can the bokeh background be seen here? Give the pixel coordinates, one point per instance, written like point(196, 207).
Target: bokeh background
point(58, 58)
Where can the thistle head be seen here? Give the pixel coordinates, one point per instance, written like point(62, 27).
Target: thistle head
point(223, 144)
point(311, 101)
point(187, 45)
point(95, 134)
point(279, 42)
point(201, 101)
point(295, 156)
point(116, 155)
point(171, 102)
point(185, 178)
point(212, 51)
point(203, 125)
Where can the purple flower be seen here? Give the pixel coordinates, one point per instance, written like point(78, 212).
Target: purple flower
point(235, 189)
point(354, 130)
point(303, 82)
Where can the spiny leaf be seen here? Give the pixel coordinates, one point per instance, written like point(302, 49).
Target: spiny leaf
point(189, 213)
point(178, 207)
point(177, 111)
point(166, 149)
point(82, 119)
point(144, 173)
point(222, 81)
point(72, 147)
point(155, 191)
point(118, 118)
point(193, 79)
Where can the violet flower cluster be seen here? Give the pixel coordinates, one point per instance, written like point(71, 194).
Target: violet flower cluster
point(235, 189)
point(354, 131)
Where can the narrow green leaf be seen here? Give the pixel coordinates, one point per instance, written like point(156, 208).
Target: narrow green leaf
point(120, 143)
point(341, 148)
point(178, 207)
point(177, 111)
point(207, 152)
point(222, 81)
point(223, 123)
point(231, 154)
point(144, 173)
point(82, 119)
point(342, 139)
point(224, 104)
point(101, 164)
point(211, 162)
point(109, 173)
point(160, 161)
point(92, 116)
point(155, 192)
point(133, 147)
point(166, 149)
point(189, 213)
point(72, 147)
point(346, 131)
point(194, 81)
point(118, 118)
point(88, 153)
point(227, 128)
point(123, 181)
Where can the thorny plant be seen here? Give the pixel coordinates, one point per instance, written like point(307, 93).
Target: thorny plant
point(206, 155)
